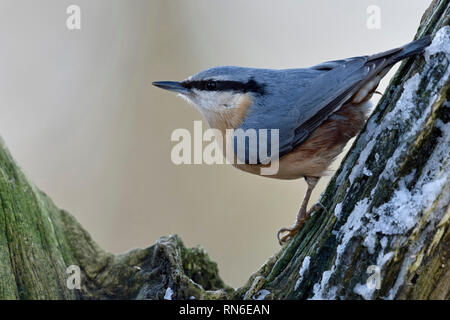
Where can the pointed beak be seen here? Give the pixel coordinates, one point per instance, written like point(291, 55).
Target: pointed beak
point(171, 86)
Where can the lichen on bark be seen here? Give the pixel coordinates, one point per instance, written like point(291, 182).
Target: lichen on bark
point(38, 242)
point(388, 203)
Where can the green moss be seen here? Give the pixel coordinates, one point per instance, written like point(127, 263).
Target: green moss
point(198, 266)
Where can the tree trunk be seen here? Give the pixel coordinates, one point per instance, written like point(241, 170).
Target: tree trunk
point(388, 217)
point(385, 233)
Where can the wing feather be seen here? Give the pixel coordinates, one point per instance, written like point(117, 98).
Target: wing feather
point(333, 83)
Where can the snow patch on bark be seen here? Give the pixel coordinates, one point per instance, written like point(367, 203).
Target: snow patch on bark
point(338, 210)
point(441, 43)
point(168, 294)
point(395, 218)
point(303, 269)
point(322, 290)
point(261, 294)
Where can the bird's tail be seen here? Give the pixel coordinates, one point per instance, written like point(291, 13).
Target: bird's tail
point(395, 55)
point(412, 48)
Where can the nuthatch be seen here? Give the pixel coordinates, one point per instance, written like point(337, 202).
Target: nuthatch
point(316, 110)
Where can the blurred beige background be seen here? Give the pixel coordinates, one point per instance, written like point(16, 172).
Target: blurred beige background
point(79, 113)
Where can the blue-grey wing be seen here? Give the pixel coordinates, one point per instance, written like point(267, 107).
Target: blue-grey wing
point(318, 92)
point(333, 84)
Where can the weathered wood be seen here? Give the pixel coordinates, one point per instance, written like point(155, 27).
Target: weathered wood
point(388, 204)
point(38, 242)
point(387, 208)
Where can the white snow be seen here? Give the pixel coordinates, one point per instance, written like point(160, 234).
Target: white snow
point(361, 160)
point(395, 218)
point(338, 210)
point(441, 43)
point(169, 293)
point(408, 178)
point(303, 269)
point(367, 172)
point(405, 105)
point(322, 291)
point(261, 294)
point(364, 290)
point(384, 242)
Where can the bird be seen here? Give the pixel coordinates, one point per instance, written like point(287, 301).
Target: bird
point(314, 110)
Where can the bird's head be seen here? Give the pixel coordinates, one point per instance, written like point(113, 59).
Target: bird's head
point(219, 89)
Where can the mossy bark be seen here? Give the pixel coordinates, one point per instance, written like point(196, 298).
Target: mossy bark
point(400, 153)
point(38, 242)
point(395, 156)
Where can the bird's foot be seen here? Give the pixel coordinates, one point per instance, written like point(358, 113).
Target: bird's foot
point(292, 231)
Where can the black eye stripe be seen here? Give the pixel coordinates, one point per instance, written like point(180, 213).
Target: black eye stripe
point(211, 85)
point(224, 85)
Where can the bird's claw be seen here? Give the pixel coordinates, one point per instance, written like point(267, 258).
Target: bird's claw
point(283, 239)
point(290, 232)
point(298, 224)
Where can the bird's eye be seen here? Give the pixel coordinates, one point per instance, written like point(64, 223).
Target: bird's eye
point(211, 85)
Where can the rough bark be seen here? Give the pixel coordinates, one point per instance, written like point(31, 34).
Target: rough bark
point(387, 206)
point(38, 242)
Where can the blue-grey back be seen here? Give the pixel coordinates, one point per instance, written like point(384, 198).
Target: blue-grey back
point(297, 101)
